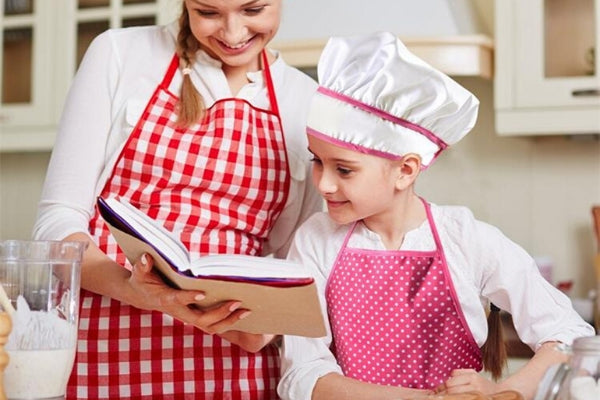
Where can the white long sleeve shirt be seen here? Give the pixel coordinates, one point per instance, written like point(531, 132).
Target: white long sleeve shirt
point(117, 77)
point(484, 266)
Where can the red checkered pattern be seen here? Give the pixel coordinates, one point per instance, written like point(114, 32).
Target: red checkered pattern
point(220, 185)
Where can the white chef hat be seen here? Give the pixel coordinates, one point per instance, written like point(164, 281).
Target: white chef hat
point(377, 97)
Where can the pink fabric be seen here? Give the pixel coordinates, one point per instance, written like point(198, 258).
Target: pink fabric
point(351, 146)
point(395, 318)
point(220, 185)
point(384, 115)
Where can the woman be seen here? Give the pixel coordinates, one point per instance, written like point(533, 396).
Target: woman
point(202, 128)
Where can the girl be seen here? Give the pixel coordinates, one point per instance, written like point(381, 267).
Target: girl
point(406, 283)
point(201, 127)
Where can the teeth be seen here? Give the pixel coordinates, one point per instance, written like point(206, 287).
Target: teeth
point(237, 46)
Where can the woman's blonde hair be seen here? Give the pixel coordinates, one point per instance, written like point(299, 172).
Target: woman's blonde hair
point(191, 106)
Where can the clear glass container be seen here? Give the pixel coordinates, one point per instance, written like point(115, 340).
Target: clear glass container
point(583, 379)
point(39, 289)
point(579, 378)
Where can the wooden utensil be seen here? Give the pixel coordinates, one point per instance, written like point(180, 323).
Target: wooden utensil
point(504, 395)
point(507, 395)
point(596, 222)
point(5, 327)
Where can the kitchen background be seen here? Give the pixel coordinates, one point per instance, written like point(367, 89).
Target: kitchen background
point(531, 166)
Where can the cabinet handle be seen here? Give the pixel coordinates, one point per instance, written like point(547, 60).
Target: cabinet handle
point(586, 93)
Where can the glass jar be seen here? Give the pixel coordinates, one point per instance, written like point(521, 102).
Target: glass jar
point(582, 381)
point(579, 378)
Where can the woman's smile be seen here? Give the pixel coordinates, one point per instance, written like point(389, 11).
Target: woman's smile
point(237, 48)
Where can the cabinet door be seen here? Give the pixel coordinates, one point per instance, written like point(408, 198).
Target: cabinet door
point(27, 42)
point(43, 43)
point(87, 19)
point(555, 53)
point(547, 76)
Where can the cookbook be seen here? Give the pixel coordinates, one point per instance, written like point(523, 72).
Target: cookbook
point(281, 294)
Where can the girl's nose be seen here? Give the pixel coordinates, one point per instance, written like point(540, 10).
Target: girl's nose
point(326, 184)
point(234, 30)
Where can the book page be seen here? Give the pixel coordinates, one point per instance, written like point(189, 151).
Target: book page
point(233, 266)
point(152, 232)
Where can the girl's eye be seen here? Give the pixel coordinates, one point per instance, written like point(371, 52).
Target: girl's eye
point(315, 160)
point(344, 171)
point(254, 10)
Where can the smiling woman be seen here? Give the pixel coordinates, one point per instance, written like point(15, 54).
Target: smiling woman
point(233, 32)
point(182, 116)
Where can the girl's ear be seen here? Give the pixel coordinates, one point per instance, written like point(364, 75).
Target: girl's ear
point(410, 167)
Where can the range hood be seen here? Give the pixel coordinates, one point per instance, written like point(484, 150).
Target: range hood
point(452, 35)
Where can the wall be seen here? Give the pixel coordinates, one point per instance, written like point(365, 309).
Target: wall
point(538, 191)
point(403, 17)
point(21, 179)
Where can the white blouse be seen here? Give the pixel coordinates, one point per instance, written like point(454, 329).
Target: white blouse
point(484, 266)
point(115, 80)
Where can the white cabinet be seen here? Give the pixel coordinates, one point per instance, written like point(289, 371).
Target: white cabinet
point(43, 43)
point(547, 80)
point(26, 36)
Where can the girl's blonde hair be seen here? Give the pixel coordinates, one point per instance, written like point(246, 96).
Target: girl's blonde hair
point(191, 106)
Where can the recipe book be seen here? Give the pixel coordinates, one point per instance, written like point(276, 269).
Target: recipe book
point(281, 294)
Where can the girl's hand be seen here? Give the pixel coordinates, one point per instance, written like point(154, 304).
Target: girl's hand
point(467, 380)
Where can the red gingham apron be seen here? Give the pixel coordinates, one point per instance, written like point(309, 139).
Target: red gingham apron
point(220, 185)
point(395, 317)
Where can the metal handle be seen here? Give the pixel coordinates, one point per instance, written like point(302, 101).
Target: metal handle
point(586, 93)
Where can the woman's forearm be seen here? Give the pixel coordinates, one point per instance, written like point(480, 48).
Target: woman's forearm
point(100, 274)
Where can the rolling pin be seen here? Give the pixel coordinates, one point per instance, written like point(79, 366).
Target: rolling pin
point(5, 326)
point(504, 395)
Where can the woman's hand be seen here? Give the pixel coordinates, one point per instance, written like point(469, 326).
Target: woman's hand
point(467, 380)
point(150, 292)
point(143, 288)
point(154, 294)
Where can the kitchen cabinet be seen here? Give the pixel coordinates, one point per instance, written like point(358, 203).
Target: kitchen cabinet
point(25, 29)
point(43, 43)
point(547, 77)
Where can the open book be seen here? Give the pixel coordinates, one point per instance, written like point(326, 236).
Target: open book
point(281, 294)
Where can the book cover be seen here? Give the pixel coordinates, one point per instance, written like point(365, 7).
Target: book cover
point(281, 295)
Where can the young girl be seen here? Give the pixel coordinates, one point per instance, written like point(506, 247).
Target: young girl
point(202, 128)
point(406, 283)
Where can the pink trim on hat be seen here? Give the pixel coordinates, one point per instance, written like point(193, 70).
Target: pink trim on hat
point(389, 117)
point(351, 146)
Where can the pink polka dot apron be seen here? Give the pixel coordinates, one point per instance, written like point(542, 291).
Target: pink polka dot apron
point(220, 185)
point(395, 317)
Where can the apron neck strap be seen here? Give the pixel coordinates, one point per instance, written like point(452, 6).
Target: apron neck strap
point(269, 82)
point(170, 71)
point(434, 231)
point(267, 70)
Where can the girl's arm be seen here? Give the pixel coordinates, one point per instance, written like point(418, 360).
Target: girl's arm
point(525, 380)
point(336, 386)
